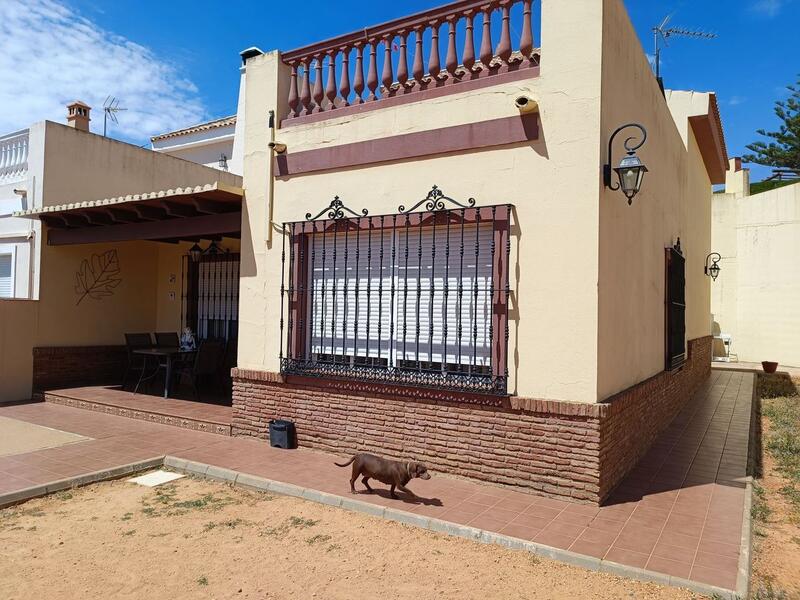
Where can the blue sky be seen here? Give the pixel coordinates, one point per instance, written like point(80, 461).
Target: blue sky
point(174, 62)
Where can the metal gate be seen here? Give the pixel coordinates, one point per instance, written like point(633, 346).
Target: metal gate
point(210, 296)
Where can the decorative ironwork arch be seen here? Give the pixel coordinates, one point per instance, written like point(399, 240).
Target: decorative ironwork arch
point(435, 201)
point(336, 210)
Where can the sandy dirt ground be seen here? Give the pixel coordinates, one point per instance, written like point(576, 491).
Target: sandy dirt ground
point(200, 539)
point(776, 543)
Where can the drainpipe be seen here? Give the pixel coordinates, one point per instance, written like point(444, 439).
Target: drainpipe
point(271, 175)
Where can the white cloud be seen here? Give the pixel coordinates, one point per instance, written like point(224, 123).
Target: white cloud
point(50, 55)
point(736, 100)
point(768, 8)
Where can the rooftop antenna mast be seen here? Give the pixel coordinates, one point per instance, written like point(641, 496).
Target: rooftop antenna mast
point(110, 108)
point(663, 32)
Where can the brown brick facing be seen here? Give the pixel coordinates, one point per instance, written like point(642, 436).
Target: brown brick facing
point(57, 367)
point(561, 449)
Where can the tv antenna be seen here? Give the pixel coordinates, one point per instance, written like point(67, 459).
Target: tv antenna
point(663, 32)
point(110, 108)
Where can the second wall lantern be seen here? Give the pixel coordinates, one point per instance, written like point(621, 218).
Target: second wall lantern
point(631, 170)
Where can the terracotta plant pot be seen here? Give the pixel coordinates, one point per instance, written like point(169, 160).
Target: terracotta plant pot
point(768, 366)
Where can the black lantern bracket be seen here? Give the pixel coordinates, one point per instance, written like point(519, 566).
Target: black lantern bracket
point(631, 157)
point(713, 269)
point(336, 210)
point(435, 201)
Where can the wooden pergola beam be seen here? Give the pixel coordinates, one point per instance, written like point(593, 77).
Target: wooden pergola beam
point(227, 224)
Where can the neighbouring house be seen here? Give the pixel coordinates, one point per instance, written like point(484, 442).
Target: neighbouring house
point(429, 263)
point(756, 297)
point(213, 143)
point(210, 144)
point(117, 222)
point(17, 236)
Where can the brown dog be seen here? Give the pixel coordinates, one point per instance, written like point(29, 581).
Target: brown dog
point(391, 472)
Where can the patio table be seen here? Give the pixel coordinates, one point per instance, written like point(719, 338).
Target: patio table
point(169, 353)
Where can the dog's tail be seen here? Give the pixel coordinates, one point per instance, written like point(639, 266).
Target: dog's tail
point(345, 464)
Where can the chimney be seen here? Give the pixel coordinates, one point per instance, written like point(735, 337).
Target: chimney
point(78, 115)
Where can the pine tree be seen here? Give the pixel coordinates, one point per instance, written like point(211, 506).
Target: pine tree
point(784, 151)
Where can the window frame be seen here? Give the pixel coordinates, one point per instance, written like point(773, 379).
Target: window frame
point(674, 259)
point(10, 250)
point(294, 325)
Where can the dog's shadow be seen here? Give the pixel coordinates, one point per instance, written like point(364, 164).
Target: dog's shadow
point(401, 497)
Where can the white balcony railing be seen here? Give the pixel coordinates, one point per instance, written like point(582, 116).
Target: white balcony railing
point(13, 156)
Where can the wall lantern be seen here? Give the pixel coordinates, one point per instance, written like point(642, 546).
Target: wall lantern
point(713, 270)
point(223, 162)
point(631, 170)
point(195, 252)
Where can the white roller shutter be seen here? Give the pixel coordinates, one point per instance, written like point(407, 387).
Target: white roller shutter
point(6, 281)
point(347, 278)
point(350, 276)
point(468, 302)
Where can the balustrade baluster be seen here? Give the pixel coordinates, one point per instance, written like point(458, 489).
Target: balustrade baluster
point(294, 98)
point(402, 61)
point(366, 83)
point(504, 46)
point(330, 89)
point(434, 66)
point(318, 94)
point(418, 69)
point(486, 40)
point(305, 91)
point(344, 86)
point(468, 59)
point(387, 78)
point(358, 80)
point(526, 40)
point(451, 62)
point(372, 72)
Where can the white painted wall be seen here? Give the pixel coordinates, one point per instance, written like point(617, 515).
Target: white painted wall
point(203, 147)
point(17, 236)
point(756, 297)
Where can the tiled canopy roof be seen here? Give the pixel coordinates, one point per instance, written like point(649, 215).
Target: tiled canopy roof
point(223, 122)
point(163, 194)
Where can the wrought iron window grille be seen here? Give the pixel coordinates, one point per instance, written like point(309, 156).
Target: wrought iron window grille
point(411, 298)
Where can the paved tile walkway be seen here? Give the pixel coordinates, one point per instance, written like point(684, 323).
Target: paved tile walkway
point(679, 512)
point(213, 415)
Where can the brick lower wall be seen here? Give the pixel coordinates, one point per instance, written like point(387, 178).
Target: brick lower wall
point(637, 415)
point(57, 367)
point(561, 449)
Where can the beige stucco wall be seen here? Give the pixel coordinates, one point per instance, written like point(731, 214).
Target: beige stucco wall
point(140, 303)
point(674, 202)
point(552, 182)
point(756, 298)
point(587, 269)
point(18, 318)
point(82, 166)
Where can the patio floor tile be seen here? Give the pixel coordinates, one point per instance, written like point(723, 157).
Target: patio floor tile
point(680, 512)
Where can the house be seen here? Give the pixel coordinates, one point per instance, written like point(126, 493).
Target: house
point(430, 269)
point(209, 143)
point(756, 296)
point(430, 260)
point(17, 236)
point(97, 270)
point(212, 143)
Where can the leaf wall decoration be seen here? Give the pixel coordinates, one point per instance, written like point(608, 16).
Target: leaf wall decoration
point(97, 277)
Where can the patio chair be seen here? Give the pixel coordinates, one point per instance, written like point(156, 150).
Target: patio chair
point(136, 363)
point(167, 339)
point(205, 365)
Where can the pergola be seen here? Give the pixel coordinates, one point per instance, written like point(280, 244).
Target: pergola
point(210, 211)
